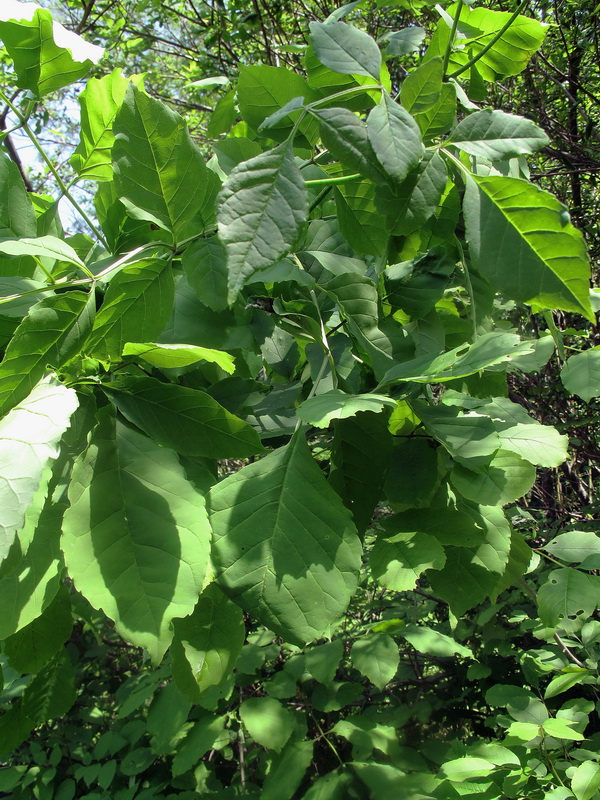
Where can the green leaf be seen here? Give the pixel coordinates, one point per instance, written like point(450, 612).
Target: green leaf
point(33, 646)
point(463, 582)
point(363, 228)
point(359, 458)
point(430, 100)
point(46, 246)
point(376, 657)
point(167, 717)
point(46, 55)
point(137, 306)
point(565, 681)
point(581, 374)
point(520, 703)
point(576, 547)
point(100, 101)
point(490, 349)
point(30, 581)
point(29, 439)
point(402, 42)
point(431, 642)
point(17, 215)
point(536, 235)
point(409, 205)
point(344, 134)
point(51, 693)
point(415, 472)
point(267, 721)
point(335, 404)
point(206, 733)
point(263, 91)
point(134, 516)
point(467, 767)
point(539, 444)
point(295, 571)
point(478, 28)
point(262, 208)
point(395, 138)
point(422, 86)
point(495, 135)
point(585, 781)
point(524, 731)
point(397, 561)
point(506, 478)
point(160, 174)
point(207, 643)
point(345, 49)
point(521, 434)
point(172, 356)
point(187, 420)
point(567, 592)
point(205, 265)
point(470, 438)
point(287, 770)
point(561, 729)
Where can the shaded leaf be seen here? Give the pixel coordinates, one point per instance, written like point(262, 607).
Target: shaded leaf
point(344, 134)
point(17, 215)
point(134, 516)
point(581, 374)
point(335, 404)
point(33, 646)
point(205, 265)
point(207, 643)
point(359, 460)
point(137, 305)
point(397, 561)
point(29, 439)
point(294, 571)
point(187, 420)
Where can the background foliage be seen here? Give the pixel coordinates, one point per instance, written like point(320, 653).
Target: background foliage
point(299, 433)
